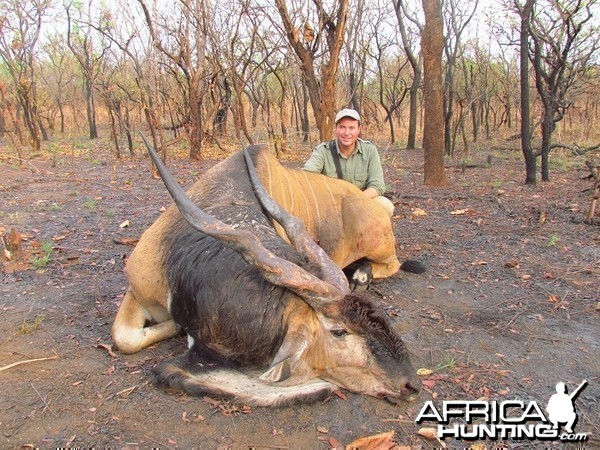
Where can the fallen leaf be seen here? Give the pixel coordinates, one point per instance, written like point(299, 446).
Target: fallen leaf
point(124, 224)
point(108, 348)
point(431, 434)
point(382, 441)
point(542, 217)
point(478, 446)
point(418, 212)
point(431, 314)
point(428, 383)
point(562, 305)
point(334, 444)
point(211, 401)
point(428, 433)
point(424, 372)
point(126, 241)
point(459, 212)
point(13, 240)
point(321, 429)
point(340, 394)
point(229, 411)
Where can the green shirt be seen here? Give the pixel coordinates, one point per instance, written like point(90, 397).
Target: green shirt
point(362, 168)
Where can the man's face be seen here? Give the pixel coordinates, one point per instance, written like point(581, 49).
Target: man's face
point(347, 130)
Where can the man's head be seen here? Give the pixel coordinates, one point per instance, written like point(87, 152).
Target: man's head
point(347, 128)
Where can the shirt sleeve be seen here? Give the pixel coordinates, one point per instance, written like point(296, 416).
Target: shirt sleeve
point(375, 171)
point(316, 162)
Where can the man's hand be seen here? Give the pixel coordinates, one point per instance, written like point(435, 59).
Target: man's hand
point(371, 192)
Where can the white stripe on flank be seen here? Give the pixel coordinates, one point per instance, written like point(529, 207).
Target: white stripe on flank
point(290, 190)
point(307, 185)
point(270, 180)
point(327, 182)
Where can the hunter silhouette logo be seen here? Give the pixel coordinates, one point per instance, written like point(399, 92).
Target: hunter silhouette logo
point(508, 419)
point(560, 406)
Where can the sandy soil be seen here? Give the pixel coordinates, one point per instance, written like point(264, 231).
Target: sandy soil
point(508, 308)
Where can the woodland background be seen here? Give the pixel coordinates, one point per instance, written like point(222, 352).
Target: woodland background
point(196, 74)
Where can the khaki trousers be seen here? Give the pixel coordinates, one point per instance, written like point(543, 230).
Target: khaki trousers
point(386, 203)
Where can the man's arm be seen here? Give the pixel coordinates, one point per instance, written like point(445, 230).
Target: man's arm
point(316, 162)
point(375, 183)
point(371, 192)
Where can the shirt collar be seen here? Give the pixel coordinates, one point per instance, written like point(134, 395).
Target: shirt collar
point(357, 148)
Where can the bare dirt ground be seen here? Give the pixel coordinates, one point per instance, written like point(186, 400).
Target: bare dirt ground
point(508, 307)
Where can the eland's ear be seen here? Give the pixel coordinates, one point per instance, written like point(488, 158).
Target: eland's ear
point(289, 354)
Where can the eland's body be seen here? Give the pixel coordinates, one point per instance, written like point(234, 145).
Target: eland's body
point(269, 316)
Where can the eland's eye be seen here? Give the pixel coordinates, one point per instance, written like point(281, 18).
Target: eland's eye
point(339, 332)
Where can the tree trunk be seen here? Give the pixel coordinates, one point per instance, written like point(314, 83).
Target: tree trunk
point(449, 110)
point(241, 111)
point(90, 107)
point(389, 116)
point(415, 63)
point(414, 108)
point(61, 114)
point(114, 132)
point(29, 118)
point(327, 101)
point(195, 125)
point(547, 130)
point(127, 121)
point(530, 160)
point(321, 92)
point(304, 115)
point(432, 43)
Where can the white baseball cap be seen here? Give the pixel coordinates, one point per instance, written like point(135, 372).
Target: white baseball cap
point(347, 112)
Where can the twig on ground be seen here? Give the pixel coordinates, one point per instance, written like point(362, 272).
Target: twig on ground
point(27, 361)
point(46, 404)
point(411, 422)
point(283, 447)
